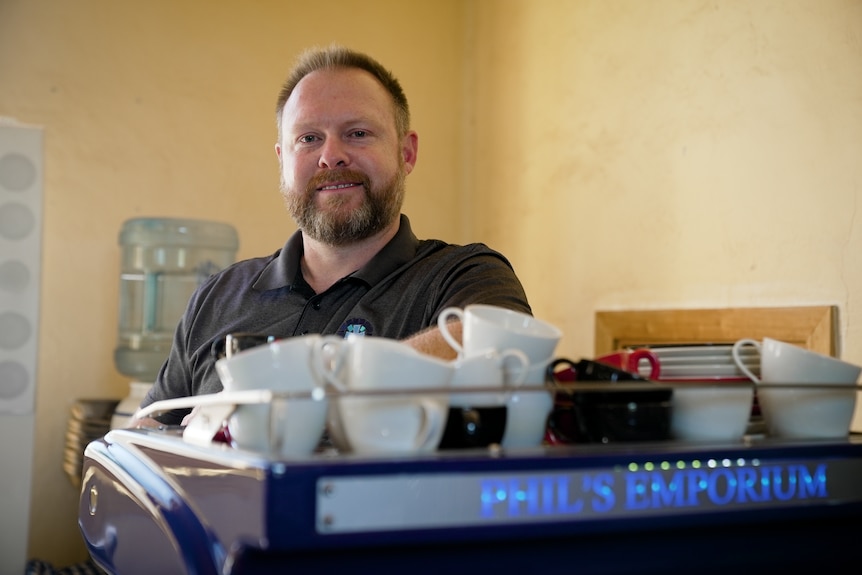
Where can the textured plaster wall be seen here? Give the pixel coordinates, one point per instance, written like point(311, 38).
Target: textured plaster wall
point(671, 154)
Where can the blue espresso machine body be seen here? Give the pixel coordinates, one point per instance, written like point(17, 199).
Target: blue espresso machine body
point(152, 502)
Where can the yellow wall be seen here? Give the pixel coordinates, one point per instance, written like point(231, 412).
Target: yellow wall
point(697, 153)
point(624, 154)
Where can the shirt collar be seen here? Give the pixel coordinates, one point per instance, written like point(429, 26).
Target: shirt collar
point(281, 271)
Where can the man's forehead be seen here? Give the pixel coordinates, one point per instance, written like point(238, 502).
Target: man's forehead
point(342, 87)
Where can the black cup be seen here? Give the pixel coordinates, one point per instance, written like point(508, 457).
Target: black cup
point(611, 405)
point(588, 370)
point(470, 427)
point(597, 417)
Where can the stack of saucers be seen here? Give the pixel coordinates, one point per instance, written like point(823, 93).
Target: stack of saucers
point(707, 364)
point(702, 362)
point(90, 419)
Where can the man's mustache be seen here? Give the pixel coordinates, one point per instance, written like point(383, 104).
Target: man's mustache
point(338, 176)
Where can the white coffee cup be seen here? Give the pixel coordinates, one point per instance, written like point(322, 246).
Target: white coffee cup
point(380, 411)
point(488, 326)
point(801, 412)
point(528, 409)
point(527, 418)
point(714, 412)
point(286, 426)
point(497, 370)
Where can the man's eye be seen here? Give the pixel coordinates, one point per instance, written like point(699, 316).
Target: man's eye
point(360, 134)
point(307, 139)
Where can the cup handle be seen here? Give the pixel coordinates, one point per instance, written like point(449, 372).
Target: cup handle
point(640, 353)
point(443, 325)
point(431, 423)
point(738, 360)
point(324, 365)
point(520, 376)
point(551, 375)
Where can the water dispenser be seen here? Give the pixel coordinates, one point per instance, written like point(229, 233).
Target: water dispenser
point(163, 260)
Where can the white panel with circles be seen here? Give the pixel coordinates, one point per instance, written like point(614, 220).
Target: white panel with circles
point(21, 165)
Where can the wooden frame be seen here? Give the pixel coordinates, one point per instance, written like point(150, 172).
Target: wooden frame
point(812, 327)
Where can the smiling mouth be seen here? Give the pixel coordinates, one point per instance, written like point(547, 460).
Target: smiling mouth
point(339, 180)
point(342, 186)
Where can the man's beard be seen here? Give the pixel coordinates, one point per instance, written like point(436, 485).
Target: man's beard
point(331, 224)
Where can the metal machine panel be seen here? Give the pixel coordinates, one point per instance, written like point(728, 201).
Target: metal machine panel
point(432, 501)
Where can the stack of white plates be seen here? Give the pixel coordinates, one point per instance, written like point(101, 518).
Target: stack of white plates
point(701, 362)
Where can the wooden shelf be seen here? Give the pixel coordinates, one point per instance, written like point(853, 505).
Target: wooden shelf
point(811, 327)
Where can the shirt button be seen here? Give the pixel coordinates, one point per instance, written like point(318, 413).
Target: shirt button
point(316, 305)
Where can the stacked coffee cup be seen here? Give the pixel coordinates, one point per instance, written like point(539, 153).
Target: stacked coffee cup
point(490, 336)
point(803, 394)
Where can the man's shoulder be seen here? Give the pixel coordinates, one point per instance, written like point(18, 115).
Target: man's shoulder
point(432, 249)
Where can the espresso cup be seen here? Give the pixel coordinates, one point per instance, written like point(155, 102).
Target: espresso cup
point(286, 426)
point(478, 418)
point(527, 413)
point(630, 360)
point(608, 413)
point(528, 409)
point(379, 411)
point(805, 411)
point(487, 326)
point(711, 412)
point(588, 370)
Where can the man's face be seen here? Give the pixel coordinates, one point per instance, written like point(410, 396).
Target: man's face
point(343, 164)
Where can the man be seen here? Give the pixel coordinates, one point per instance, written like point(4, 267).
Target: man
point(345, 148)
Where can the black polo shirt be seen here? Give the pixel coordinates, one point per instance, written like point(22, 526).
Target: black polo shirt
point(400, 292)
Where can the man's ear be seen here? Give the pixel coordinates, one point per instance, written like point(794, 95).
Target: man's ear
point(409, 150)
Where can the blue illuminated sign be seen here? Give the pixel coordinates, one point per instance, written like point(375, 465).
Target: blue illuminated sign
point(642, 489)
point(431, 500)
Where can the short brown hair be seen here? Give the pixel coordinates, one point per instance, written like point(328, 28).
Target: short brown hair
point(334, 57)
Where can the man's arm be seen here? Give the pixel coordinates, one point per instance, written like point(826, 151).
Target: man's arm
point(431, 342)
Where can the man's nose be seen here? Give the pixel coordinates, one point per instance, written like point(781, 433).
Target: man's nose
point(333, 154)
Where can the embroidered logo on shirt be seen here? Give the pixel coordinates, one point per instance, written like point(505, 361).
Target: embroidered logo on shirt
point(355, 326)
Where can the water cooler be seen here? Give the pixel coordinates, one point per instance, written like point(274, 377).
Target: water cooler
point(163, 260)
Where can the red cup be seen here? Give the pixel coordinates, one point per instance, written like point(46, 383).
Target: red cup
point(629, 360)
